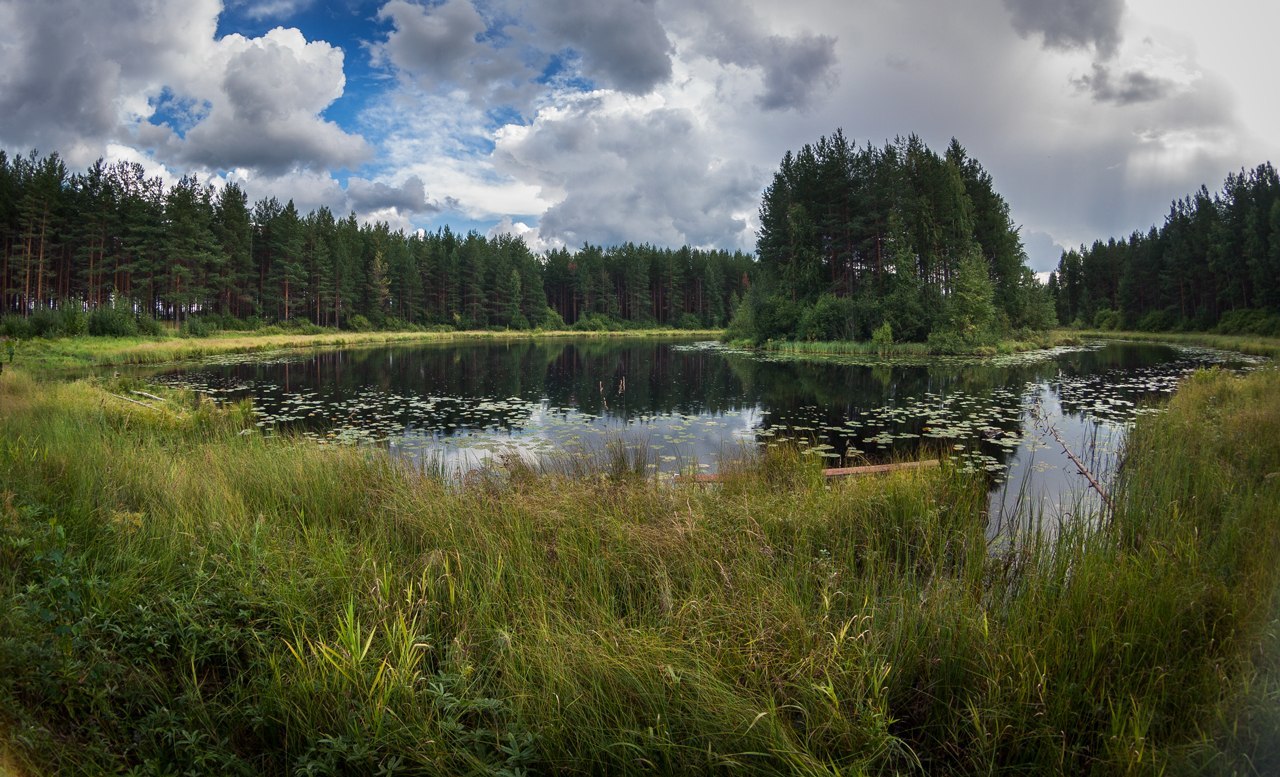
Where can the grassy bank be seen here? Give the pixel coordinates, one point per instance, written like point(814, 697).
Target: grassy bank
point(47, 355)
point(179, 595)
point(1251, 344)
point(857, 348)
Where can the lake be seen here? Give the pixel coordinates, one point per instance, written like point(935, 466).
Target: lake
point(457, 405)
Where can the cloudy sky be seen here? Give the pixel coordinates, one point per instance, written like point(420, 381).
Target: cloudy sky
point(648, 120)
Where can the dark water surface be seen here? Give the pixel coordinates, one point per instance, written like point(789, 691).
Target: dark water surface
point(457, 405)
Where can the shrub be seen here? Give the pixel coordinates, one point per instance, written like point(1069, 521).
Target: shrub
point(199, 327)
point(1157, 321)
point(830, 318)
point(882, 338)
point(551, 319)
point(597, 322)
point(1249, 322)
point(13, 325)
point(112, 322)
point(44, 323)
point(1106, 319)
point(359, 323)
point(688, 321)
point(149, 326)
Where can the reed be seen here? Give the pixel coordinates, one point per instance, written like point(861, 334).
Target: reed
point(180, 594)
point(1256, 345)
point(45, 356)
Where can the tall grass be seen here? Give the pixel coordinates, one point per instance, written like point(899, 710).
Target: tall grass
point(1030, 342)
point(1256, 345)
point(178, 594)
point(48, 355)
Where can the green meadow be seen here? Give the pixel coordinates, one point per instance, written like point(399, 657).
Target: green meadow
point(181, 595)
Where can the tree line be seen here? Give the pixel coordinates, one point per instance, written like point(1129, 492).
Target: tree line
point(113, 239)
point(856, 238)
point(1213, 265)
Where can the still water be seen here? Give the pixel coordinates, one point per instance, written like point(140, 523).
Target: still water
point(457, 406)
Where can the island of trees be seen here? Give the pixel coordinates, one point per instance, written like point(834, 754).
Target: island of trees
point(110, 250)
point(1213, 265)
point(900, 240)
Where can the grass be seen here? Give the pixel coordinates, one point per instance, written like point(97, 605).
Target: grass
point(44, 356)
point(1256, 345)
point(1034, 342)
point(180, 594)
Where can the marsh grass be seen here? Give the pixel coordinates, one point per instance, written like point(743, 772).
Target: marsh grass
point(68, 353)
point(1031, 342)
point(181, 594)
point(1255, 345)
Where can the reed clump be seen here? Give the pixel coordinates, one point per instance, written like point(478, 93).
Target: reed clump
point(180, 594)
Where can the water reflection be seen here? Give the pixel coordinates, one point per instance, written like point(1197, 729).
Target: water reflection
point(458, 405)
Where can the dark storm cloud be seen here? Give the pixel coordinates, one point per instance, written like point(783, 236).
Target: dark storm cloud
point(499, 57)
point(622, 42)
point(794, 68)
point(408, 197)
point(1129, 88)
point(1069, 24)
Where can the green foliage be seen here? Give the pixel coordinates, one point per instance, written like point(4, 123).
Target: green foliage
point(689, 321)
point(1214, 257)
point(189, 251)
point(233, 604)
point(15, 326)
point(550, 319)
point(1249, 322)
point(150, 327)
point(1106, 320)
point(359, 323)
point(828, 318)
point(882, 338)
point(853, 237)
point(971, 310)
point(112, 322)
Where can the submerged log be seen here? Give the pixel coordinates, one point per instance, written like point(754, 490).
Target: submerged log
point(843, 472)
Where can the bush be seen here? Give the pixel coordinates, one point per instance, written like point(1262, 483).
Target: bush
point(13, 325)
point(200, 327)
point(112, 322)
point(688, 321)
point(830, 318)
point(1106, 319)
point(551, 319)
point(1249, 322)
point(359, 323)
point(882, 338)
point(775, 317)
point(149, 326)
point(44, 323)
point(597, 322)
point(946, 341)
point(1158, 321)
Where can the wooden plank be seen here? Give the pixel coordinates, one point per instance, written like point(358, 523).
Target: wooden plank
point(879, 469)
point(843, 472)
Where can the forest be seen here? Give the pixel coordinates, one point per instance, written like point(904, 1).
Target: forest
point(111, 250)
point(856, 239)
point(1213, 266)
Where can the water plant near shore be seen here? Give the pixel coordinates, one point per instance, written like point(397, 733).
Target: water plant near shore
point(182, 594)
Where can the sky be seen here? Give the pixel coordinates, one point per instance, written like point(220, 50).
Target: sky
point(659, 121)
